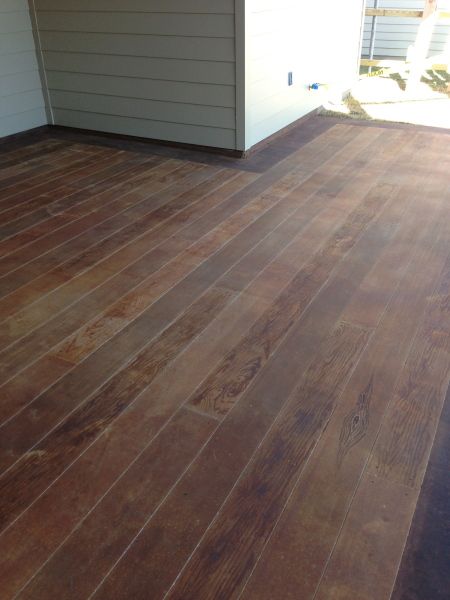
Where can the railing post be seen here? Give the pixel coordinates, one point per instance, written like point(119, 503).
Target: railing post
point(373, 32)
point(422, 45)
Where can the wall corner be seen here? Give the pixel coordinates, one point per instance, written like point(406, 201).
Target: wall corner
point(241, 40)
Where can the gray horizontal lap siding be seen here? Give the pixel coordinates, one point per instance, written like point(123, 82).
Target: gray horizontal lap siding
point(162, 69)
point(395, 34)
point(22, 104)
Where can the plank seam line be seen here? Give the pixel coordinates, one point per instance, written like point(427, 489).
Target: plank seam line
point(366, 463)
point(208, 415)
point(28, 365)
point(258, 177)
point(264, 437)
point(181, 407)
point(126, 363)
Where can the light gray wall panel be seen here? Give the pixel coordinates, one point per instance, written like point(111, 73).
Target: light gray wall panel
point(13, 5)
point(17, 83)
point(20, 102)
point(185, 92)
point(286, 36)
point(21, 41)
point(169, 47)
point(394, 35)
point(137, 66)
point(173, 112)
point(207, 136)
point(161, 68)
point(21, 97)
point(139, 23)
point(10, 124)
point(161, 6)
point(19, 62)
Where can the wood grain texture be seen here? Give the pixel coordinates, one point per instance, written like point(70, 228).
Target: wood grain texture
point(220, 567)
point(209, 347)
point(99, 250)
point(91, 201)
point(317, 508)
point(145, 266)
point(264, 251)
point(218, 398)
point(110, 205)
point(399, 455)
point(424, 571)
point(116, 262)
point(224, 378)
point(234, 442)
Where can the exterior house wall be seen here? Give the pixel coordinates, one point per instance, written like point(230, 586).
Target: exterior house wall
point(205, 72)
point(319, 42)
point(162, 69)
point(22, 104)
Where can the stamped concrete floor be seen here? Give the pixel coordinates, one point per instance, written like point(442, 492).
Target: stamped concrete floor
point(225, 378)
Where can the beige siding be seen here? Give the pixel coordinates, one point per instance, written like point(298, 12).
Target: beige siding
point(21, 98)
point(161, 69)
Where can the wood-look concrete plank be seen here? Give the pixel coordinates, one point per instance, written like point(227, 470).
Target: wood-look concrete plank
point(218, 566)
point(305, 207)
point(203, 275)
point(285, 293)
point(424, 571)
point(14, 173)
point(76, 277)
point(10, 158)
point(100, 243)
point(102, 363)
point(217, 399)
point(46, 167)
point(237, 438)
point(107, 529)
point(59, 200)
point(235, 279)
point(148, 265)
point(260, 391)
point(157, 258)
point(155, 571)
point(314, 515)
point(50, 161)
point(71, 169)
point(122, 201)
point(167, 393)
point(397, 463)
point(23, 554)
point(44, 370)
point(83, 203)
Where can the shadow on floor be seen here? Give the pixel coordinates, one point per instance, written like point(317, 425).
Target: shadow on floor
point(399, 80)
point(438, 81)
